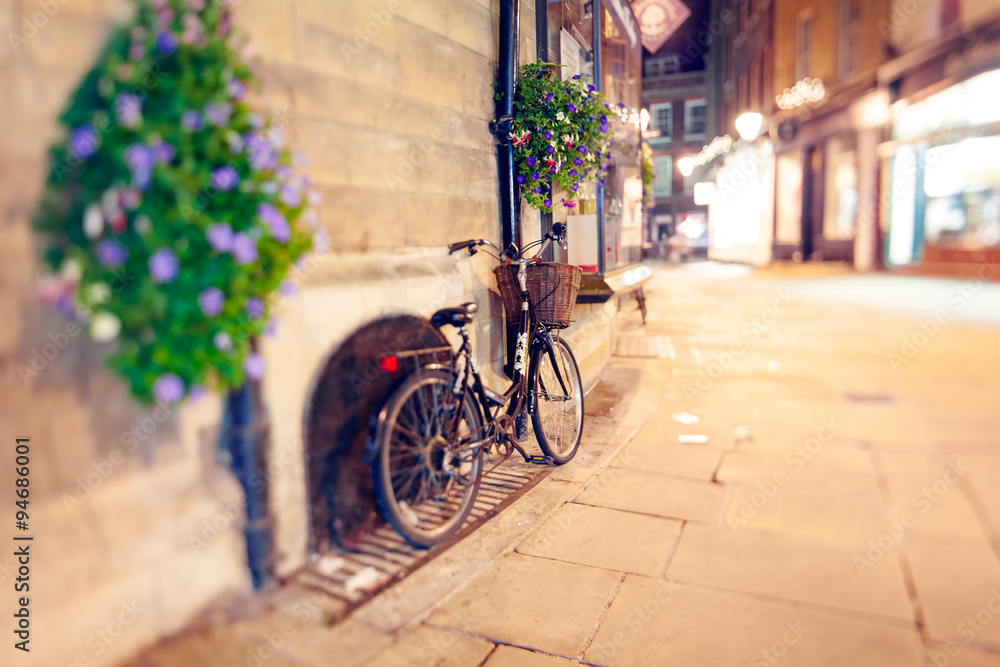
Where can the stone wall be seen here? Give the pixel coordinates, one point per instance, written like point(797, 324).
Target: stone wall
point(137, 524)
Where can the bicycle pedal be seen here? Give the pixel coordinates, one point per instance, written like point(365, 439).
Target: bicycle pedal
point(541, 460)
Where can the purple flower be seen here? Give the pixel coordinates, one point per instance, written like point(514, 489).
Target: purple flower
point(163, 266)
point(548, 136)
point(243, 249)
point(224, 179)
point(534, 175)
point(275, 222)
point(65, 305)
point(582, 149)
point(192, 120)
point(550, 149)
point(222, 342)
point(570, 108)
point(262, 155)
point(136, 51)
point(578, 162)
point(253, 366)
point(591, 88)
point(576, 186)
point(128, 109)
point(548, 203)
point(272, 327)
point(621, 105)
point(290, 195)
point(139, 159)
point(573, 172)
point(576, 76)
point(197, 393)
point(255, 308)
point(168, 388)
point(163, 153)
point(548, 98)
point(83, 142)
point(220, 236)
point(521, 178)
point(601, 182)
point(537, 191)
point(553, 169)
point(166, 43)
point(210, 301)
point(568, 204)
point(288, 288)
point(218, 114)
point(196, 5)
point(111, 253)
point(531, 160)
point(236, 88)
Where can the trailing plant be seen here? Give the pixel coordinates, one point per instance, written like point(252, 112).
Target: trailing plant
point(171, 215)
point(648, 176)
point(560, 134)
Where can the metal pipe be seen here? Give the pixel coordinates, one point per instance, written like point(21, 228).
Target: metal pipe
point(247, 435)
point(599, 82)
point(510, 231)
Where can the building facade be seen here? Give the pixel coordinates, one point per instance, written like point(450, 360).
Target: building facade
point(390, 103)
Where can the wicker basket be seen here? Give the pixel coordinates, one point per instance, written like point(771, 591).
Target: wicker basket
point(552, 288)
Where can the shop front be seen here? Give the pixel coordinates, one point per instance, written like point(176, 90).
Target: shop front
point(741, 205)
point(943, 185)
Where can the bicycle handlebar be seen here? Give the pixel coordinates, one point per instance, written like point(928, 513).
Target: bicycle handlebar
point(557, 233)
point(461, 245)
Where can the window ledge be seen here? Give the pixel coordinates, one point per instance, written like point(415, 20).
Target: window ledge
point(599, 289)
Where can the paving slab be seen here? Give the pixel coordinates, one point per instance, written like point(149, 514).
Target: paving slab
point(656, 622)
point(959, 589)
point(655, 493)
point(606, 538)
point(311, 642)
point(959, 654)
point(792, 568)
point(511, 656)
point(774, 508)
point(531, 602)
point(428, 645)
point(682, 460)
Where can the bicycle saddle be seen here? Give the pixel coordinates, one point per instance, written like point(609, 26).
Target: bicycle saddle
point(458, 316)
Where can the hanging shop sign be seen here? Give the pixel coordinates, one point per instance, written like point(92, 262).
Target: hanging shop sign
point(658, 20)
point(621, 13)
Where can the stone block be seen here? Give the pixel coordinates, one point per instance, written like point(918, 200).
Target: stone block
point(361, 218)
point(270, 27)
point(326, 144)
point(430, 645)
point(652, 493)
point(511, 656)
point(472, 26)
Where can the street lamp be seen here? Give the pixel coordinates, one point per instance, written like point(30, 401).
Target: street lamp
point(749, 124)
point(686, 166)
point(644, 120)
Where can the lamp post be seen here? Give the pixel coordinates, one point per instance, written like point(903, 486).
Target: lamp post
point(686, 166)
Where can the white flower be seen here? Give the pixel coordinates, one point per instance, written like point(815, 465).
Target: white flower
point(222, 341)
point(560, 116)
point(105, 327)
point(93, 221)
point(143, 224)
point(71, 270)
point(98, 293)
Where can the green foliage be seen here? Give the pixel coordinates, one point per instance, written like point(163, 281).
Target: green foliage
point(560, 133)
point(648, 176)
point(166, 166)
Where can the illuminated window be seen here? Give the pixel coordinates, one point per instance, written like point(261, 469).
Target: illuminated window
point(661, 117)
point(694, 119)
point(850, 37)
point(803, 45)
point(663, 184)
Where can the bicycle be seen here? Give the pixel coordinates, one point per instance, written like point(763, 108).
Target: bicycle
point(439, 422)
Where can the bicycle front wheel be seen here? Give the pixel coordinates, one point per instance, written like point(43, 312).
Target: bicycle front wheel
point(557, 402)
point(427, 473)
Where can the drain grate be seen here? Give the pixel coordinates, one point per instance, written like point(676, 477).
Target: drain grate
point(383, 558)
point(649, 347)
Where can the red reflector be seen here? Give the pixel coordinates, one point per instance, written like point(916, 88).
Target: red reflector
point(388, 364)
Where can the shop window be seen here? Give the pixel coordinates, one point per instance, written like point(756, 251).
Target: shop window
point(663, 185)
point(841, 201)
point(803, 45)
point(694, 119)
point(850, 37)
point(661, 117)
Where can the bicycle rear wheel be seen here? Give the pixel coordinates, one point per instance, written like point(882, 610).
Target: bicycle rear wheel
point(426, 476)
point(557, 402)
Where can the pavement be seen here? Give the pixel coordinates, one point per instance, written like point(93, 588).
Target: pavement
point(802, 471)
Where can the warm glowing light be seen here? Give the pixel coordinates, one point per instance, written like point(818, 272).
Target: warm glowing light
point(749, 125)
point(686, 166)
point(644, 119)
point(805, 91)
point(713, 150)
point(704, 193)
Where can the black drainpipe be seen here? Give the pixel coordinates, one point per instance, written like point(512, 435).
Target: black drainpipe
point(510, 229)
point(247, 435)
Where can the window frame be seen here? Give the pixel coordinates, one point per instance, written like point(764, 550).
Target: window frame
point(654, 109)
point(664, 173)
point(689, 105)
point(848, 38)
point(803, 46)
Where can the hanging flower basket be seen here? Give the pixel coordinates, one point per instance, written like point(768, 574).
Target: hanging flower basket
point(560, 134)
point(648, 176)
point(171, 215)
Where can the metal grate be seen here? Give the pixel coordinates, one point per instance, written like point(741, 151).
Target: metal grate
point(383, 558)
